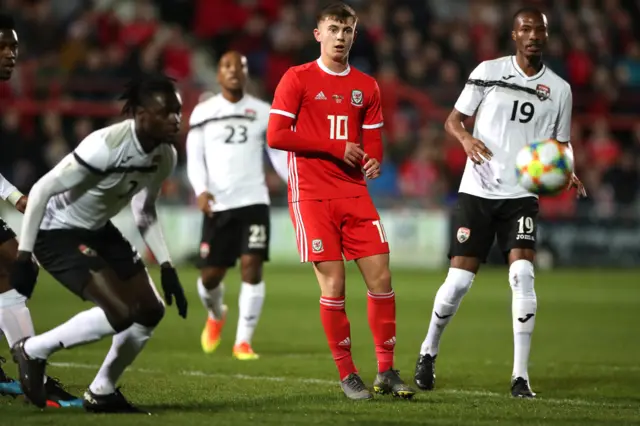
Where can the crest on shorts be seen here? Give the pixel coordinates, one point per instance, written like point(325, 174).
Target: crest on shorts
point(357, 98)
point(87, 251)
point(204, 250)
point(543, 92)
point(463, 234)
point(316, 246)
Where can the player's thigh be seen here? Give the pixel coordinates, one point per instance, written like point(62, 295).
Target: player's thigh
point(221, 241)
point(317, 232)
point(147, 308)
point(255, 231)
point(518, 226)
point(472, 230)
point(363, 233)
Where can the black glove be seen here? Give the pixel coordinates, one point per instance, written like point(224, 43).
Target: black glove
point(172, 288)
point(24, 273)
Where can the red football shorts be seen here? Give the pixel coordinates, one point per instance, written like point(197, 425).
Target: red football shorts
point(327, 229)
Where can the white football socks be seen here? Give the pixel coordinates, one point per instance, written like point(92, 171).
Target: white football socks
point(445, 305)
point(212, 299)
point(523, 307)
point(15, 318)
point(125, 347)
point(86, 327)
point(250, 303)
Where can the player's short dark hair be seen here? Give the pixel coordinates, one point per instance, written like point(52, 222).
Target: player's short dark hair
point(7, 22)
point(526, 10)
point(340, 11)
point(139, 89)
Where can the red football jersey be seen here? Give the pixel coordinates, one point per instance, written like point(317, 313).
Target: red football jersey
point(327, 106)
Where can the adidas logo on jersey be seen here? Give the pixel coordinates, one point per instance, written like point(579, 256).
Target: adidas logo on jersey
point(345, 342)
point(321, 97)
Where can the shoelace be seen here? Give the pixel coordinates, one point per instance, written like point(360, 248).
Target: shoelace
point(356, 384)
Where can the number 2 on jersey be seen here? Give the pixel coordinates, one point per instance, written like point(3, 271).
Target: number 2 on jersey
point(339, 129)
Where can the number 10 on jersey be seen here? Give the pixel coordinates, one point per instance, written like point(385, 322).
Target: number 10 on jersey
point(339, 128)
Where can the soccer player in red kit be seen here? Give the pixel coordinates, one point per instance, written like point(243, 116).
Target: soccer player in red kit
point(328, 116)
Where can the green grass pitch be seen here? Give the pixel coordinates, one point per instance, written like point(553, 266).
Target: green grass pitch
point(585, 362)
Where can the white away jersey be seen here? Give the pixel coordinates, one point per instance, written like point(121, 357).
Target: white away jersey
point(225, 151)
point(121, 168)
point(512, 110)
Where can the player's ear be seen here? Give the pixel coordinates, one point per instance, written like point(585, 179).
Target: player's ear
point(316, 34)
point(513, 35)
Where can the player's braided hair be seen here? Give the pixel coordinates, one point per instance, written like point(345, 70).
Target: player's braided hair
point(138, 90)
point(7, 22)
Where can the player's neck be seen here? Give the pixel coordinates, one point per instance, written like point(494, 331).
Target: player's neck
point(147, 143)
point(335, 66)
point(530, 65)
point(233, 96)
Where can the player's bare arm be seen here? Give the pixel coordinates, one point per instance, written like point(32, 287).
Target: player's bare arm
point(476, 150)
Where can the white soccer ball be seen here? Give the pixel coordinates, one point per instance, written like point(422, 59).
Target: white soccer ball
point(544, 167)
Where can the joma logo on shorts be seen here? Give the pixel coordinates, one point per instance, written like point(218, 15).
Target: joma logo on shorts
point(525, 237)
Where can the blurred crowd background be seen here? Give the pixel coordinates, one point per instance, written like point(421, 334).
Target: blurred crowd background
point(75, 56)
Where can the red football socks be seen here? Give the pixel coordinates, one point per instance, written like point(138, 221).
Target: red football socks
point(338, 331)
point(382, 321)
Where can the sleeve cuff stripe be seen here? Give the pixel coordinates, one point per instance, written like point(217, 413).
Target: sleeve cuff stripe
point(281, 112)
point(373, 126)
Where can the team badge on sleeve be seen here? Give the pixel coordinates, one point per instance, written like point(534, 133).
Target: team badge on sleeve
point(543, 92)
point(463, 234)
point(357, 98)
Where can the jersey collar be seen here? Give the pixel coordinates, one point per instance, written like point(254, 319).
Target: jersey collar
point(522, 73)
point(328, 71)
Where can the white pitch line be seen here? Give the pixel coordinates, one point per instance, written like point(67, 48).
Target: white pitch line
point(306, 380)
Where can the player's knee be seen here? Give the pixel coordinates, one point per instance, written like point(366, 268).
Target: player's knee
point(120, 318)
point(521, 278)
point(456, 285)
point(212, 277)
point(332, 286)
point(149, 314)
point(382, 282)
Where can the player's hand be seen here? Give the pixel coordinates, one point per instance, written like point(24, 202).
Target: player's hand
point(353, 154)
point(205, 203)
point(172, 288)
point(24, 273)
point(21, 205)
point(476, 150)
point(371, 167)
point(576, 183)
